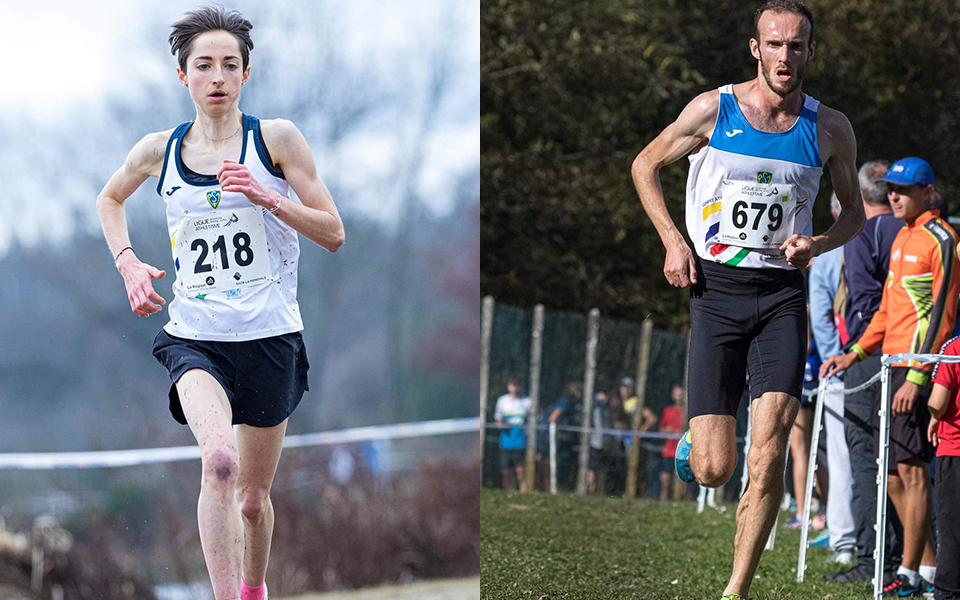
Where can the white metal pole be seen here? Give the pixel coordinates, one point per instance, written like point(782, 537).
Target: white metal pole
point(776, 521)
point(553, 458)
point(811, 469)
point(883, 452)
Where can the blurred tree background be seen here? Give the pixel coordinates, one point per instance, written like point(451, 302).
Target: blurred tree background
point(571, 91)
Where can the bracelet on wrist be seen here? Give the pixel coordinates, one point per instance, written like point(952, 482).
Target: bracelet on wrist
point(117, 257)
point(279, 202)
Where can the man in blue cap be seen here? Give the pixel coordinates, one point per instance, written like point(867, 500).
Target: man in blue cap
point(916, 315)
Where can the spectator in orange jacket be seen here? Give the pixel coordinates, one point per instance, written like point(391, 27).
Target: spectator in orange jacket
point(916, 315)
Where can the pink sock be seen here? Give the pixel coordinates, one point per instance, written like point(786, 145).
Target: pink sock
point(250, 593)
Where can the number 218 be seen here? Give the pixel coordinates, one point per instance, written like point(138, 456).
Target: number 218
point(243, 253)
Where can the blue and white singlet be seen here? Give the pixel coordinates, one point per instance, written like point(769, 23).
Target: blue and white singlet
point(258, 310)
point(749, 190)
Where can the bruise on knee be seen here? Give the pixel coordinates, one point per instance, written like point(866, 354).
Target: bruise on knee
point(224, 473)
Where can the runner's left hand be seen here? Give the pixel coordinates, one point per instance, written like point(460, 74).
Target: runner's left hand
point(235, 177)
point(905, 397)
point(799, 250)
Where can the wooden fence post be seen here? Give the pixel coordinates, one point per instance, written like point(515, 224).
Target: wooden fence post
point(593, 333)
point(486, 330)
point(633, 460)
point(536, 354)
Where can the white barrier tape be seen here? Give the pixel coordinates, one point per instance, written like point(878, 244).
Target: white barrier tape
point(864, 385)
point(612, 432)
point(125, 458)
point(926, 359)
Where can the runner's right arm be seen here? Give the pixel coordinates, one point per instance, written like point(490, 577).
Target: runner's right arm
point(144, 160)
point(689, 132)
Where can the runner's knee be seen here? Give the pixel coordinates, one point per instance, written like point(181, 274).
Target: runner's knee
point(253, 505)
point(221, 467)
point(713, 470)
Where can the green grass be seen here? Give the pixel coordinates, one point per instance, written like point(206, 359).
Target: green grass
point(543, 547)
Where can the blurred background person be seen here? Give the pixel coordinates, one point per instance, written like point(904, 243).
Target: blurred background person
point(600, 443)
point(513, 411)
point(824, 284)
point(866, 264)
point(670, 422)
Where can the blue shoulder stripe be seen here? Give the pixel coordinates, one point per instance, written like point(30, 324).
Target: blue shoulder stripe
point(166, 155)
point(262, 151)
point(734, 134)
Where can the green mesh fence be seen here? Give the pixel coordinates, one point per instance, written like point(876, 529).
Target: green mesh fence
point(564, 355)
point(668, 353)
point(509, 349)
point(618, 351)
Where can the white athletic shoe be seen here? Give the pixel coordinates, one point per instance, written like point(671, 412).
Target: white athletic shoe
point(843, 557)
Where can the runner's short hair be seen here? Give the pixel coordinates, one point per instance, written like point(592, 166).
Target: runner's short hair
point(782, 6)
point(874, 194)
point(209, 18)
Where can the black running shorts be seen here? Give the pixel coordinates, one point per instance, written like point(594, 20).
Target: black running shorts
point(511, 459)
point(908, 433)
point(264, 379)
point(745, 320)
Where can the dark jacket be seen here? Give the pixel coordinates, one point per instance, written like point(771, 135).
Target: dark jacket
point(866, 262)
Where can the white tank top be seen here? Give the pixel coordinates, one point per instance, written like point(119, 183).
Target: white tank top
point(255, 311)
point(748, 190)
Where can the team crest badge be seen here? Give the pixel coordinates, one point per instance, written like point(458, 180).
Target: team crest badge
point(764, 176)
point(213, 197)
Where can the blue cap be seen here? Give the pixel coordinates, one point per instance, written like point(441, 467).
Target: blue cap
point(908, 171)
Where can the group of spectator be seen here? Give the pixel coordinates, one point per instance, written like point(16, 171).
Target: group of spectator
point(613, 409)
point(892, 289)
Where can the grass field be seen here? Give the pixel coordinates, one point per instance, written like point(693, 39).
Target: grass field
point(545, 547)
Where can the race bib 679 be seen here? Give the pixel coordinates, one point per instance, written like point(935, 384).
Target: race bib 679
point(756, 215)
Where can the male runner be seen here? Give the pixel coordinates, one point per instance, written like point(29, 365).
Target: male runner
point(759, 151)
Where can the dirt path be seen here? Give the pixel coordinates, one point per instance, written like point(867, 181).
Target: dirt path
point(448, 589)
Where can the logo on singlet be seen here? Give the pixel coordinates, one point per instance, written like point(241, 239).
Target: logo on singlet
point(213, 197)
point(764, 176)
point(734, 132)
point(172, 190)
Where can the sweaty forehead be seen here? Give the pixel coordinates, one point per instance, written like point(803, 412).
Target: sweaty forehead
point(783, 25)
point(215, 44)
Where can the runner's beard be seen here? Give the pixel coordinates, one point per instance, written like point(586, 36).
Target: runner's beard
point(782, 89)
